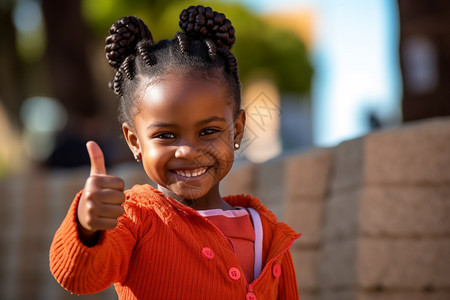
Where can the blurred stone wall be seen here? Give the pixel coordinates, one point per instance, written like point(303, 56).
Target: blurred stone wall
point(374, 213)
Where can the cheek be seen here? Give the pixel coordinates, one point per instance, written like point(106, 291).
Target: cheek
point(155, 158)
point(224, 151)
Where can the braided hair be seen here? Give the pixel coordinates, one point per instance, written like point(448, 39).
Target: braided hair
point(203, 46)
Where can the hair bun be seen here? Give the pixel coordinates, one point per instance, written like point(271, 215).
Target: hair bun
point(123, 37)
point(203, 23)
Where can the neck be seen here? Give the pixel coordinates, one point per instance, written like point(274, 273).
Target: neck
point(211, 200)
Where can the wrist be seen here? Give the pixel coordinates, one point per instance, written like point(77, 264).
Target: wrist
point(88, 237)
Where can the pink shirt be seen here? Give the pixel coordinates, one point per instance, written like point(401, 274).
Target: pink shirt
point(237, 226)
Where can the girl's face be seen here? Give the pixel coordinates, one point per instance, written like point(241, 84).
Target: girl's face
point(185, 130)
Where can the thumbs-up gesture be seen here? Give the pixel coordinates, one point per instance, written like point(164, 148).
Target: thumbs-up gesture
point(100, 203)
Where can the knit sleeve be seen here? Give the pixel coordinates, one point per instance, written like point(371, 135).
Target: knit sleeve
point(288, 284)
point(86, 270)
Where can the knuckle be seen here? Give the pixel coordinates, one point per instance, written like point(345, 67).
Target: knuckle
point(91, 180)
point(89, 222)
point(118, 182)
point(122, 183)
point(112, 224)
point(88, 194)
point(120, 211)
point(119, 197)
point(91, 207)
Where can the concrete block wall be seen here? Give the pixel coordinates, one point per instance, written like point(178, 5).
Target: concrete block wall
point(294, 187)
point(307, 176)
point(373, 211)
point(31, 209)
point(386, 231)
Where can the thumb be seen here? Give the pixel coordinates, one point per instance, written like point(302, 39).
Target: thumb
point(97, 159)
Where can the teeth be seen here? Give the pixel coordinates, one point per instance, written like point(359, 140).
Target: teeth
point(191, 173)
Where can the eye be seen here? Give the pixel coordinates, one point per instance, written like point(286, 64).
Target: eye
point(165, 136)
point(208, 131)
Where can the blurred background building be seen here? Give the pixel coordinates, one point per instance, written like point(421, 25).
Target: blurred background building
point(425, 58)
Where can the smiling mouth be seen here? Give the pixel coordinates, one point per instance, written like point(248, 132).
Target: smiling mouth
point(191, 173)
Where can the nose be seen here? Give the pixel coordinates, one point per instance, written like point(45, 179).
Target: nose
point(187, 151)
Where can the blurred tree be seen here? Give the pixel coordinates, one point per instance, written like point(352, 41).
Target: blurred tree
point(67, 39)
point(12, 92)
point(259, 46)
point(65, 72)
point(71, 80)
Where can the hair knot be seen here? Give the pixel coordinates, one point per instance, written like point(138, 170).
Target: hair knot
point(123, 38)
point(203, 23)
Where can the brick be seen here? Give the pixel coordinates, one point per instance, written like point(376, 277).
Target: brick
point(306, 268)
point(340, 294)
point(307, 174)
point(307, 295)
point(306, 217)
point(52, 290)
point(5, 213)
point(33, 202)
point(71, 182)
point(132, 174)
point(61, 294)
point(354, 294)
point(347, 172)
point(404, 263)
point(361, 294)
point(357, 294)
point(402, 295)
point(10, 237)
point(413, 153)
point(341, 214)
point(240, 180)
point(337, 267)
point(405, 210)
point(269, 186)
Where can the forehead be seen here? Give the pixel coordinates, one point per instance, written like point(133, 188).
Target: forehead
point(180, 96)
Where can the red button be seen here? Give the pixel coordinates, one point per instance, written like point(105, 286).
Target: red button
point(250, 296)
point(234, 273)
point(207, 253)
point(276, 271)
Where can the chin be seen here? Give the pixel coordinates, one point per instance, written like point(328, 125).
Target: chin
point(191, 193)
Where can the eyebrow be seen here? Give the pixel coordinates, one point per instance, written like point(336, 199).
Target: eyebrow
point(212, 119)
point(160, 124)
point(202, 122)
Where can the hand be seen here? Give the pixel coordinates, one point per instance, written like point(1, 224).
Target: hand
point(101, 202)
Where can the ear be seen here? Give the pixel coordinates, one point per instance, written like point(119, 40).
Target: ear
point(132, 139)
point(239, 125)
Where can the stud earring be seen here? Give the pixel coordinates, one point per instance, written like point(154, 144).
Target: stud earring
point(236, 146)
point(137, 157)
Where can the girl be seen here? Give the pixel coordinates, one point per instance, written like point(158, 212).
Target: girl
point(181, 116)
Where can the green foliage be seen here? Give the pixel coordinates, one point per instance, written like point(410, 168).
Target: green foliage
point(259, 45)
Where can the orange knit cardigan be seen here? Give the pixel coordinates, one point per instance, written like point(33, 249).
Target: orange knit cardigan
point(162, 249)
